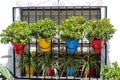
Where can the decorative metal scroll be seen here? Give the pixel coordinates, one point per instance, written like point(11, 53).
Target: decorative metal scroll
point(60, 3)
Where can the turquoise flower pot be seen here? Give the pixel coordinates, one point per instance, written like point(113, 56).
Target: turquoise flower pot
point(71, 71)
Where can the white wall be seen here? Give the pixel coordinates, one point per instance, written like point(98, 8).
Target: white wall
point(113, 14)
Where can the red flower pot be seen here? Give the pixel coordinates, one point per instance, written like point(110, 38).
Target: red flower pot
point(91, 71)
point(50, 71)
point(19, 48)
point(97, 45)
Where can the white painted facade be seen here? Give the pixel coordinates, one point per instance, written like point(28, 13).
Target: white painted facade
point(112, 13)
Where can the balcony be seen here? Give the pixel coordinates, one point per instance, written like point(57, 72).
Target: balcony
point(58, 50)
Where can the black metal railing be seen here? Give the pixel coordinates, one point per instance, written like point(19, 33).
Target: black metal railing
point(58, 48)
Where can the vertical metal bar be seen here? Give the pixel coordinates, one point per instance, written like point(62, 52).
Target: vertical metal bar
point(73, 11)
point(14, 69)
point(28, 19)
point(105, 43)
point(89, 42)
point(66, 15)
point(36, 44)
point(97, 17)
point(43, 12)
point(81, 10)
point(81, 42)
point(74, 52)
point(21, 13)
point(13, 11)
point(59, 43)
point(51, 40)
point(105, 11)
point(65, 44)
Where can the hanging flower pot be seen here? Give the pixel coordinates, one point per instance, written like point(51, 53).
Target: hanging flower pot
point(29, 71)
point(71, 71)
point(44, 45)
point(97, 45)
point(50, 71)
point(19, 48)
point(90, 73)
point(72, 45)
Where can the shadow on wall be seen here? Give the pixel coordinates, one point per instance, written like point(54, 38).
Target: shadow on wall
point(108, 58)
point(9, 63)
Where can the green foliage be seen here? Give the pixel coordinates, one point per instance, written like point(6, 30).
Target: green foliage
point(99, 29)
point(47, 61)
point(69, 62)
point(89, 61)
point(28, 59)
point(43, 28)
point(4, 72)
point(111, 73)
point(72, 28)
point(17, 32)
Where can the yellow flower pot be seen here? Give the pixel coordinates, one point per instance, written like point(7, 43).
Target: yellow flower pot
point(27, 72)
point(44, 45)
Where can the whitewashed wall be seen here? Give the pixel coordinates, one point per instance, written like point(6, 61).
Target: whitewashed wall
point(113, 14)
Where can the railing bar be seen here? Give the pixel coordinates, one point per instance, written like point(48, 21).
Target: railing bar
point(58, 14)
point(97, 17)
point(81, 11)
point(51, 53)
point(89, 42)
point(81, 43)
point(28, 18)
point(36, 44)
point(14, 70)
point(65, 44)
point(43, 11)
point(21, 57)
point(73, 11)
point(105, 12)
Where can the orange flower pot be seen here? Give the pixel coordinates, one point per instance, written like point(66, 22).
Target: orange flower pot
point(44, 45)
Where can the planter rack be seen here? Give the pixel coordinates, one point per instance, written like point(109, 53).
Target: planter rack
point(58, 47)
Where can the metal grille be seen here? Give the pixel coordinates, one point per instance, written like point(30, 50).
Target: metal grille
point(58, 47)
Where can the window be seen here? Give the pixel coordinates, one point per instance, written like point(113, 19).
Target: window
point(32, 14)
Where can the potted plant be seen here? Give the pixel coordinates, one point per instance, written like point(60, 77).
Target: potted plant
point(98, 31)
point(89, 65)
point(43, 31)
point(5, 74)
point(18, 33)
point(28, 63)
point(69, 65)
point(111, 72)
point(49, 65)
point(71, 30)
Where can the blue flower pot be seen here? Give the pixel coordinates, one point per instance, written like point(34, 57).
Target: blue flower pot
point(71, 71)
point(72, 45)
